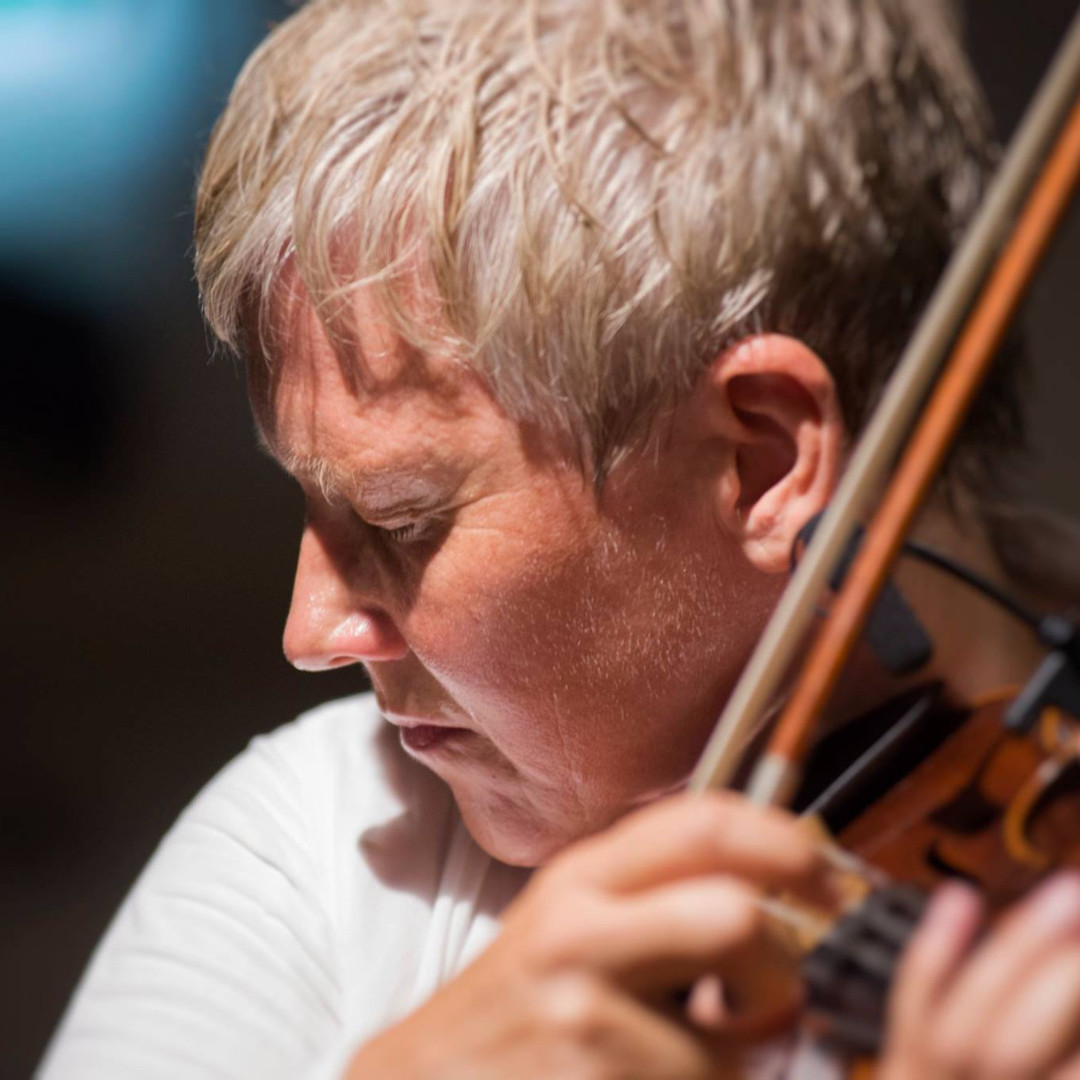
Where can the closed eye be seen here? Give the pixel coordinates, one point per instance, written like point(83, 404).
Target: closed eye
point(402, 534)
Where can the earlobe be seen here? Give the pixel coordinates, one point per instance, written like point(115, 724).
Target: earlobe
point(775, 403)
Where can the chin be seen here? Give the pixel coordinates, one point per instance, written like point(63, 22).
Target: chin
point(515, 837)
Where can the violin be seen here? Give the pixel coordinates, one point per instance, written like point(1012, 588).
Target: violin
point(987, 790)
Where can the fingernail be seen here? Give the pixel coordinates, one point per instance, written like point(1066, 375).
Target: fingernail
point(1056, 903)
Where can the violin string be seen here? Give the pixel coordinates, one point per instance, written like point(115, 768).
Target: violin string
point(810, 927)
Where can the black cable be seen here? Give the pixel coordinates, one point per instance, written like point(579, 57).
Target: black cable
point(943, 562)
point(976, 581)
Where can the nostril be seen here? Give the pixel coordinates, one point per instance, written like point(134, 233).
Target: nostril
point(313, 661)
point(311, 645)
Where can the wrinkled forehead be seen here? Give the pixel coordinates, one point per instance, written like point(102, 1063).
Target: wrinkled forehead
point(354, 351)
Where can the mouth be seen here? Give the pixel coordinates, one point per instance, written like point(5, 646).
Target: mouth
point(421, 736)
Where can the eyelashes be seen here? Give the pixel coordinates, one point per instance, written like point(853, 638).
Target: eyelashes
point(402, 534)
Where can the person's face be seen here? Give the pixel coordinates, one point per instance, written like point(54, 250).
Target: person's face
point(554, 656)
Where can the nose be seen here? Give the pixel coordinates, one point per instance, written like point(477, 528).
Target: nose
point(331, 623)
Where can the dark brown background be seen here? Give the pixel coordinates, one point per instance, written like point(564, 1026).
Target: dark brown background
point(146, 553)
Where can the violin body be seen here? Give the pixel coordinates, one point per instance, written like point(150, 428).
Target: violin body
point(996, 807)
point(993, 794)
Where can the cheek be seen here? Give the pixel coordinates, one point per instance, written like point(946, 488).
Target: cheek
point(611, 634)
point(496, 619)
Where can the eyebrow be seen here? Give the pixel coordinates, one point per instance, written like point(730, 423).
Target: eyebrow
point(378, 493)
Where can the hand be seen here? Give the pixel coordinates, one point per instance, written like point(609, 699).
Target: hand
point(582, 980)
point(1008, 1007)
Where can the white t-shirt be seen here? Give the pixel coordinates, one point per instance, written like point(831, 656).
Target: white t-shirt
point(319, 888)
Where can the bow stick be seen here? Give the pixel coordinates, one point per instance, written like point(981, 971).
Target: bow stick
point(1053, 115)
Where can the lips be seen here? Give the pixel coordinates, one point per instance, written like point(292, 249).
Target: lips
point(426, 737)
point(423, 736)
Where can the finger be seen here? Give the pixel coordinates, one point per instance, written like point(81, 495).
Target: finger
point(690, 835)
point(1038, 1028)
point(939, 944)
point(711, 1013)
point(705, 1007)
point(656, 942)
point(1026, 936)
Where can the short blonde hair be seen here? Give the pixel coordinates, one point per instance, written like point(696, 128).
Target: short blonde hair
point(600, 194)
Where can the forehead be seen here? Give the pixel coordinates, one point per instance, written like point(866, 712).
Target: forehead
point(376, 404)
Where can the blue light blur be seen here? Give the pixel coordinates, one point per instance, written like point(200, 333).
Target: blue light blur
point(103, 107)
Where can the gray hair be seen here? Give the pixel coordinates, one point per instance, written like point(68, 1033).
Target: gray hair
point(594, 197)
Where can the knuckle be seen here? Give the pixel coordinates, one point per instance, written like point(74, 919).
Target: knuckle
point(573, 1008)
point(796, 851)
point(710, 820)
point(713, 806)
point(739, 917)
point(726, 823)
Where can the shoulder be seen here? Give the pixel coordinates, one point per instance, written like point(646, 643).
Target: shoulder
point(341, 768)
point(280, 786)
point(319, 740)
point(316, 799)
point(228, 949)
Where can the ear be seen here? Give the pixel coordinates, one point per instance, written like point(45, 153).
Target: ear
point(770, 407)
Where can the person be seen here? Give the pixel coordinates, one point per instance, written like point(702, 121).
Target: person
point(564, 315)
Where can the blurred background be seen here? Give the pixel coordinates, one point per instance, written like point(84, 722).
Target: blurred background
point(146, 548)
